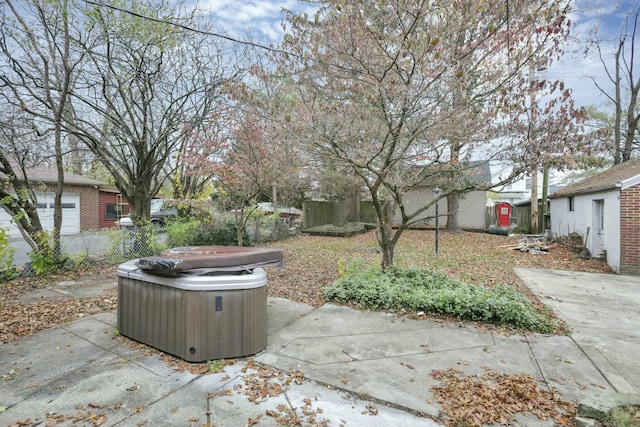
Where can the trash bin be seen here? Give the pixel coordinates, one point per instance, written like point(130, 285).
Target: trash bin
point(197, 303)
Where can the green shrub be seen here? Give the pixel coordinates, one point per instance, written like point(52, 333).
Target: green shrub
point(133, 242)
point(45, 260)
point(182, 231)
point(222, 233)
point(624, 416)
point(422, 290)
point(7, 252)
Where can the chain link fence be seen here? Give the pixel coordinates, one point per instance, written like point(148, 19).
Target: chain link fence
point(113, 246)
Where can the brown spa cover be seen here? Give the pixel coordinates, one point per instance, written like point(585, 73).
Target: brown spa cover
point(202, 259)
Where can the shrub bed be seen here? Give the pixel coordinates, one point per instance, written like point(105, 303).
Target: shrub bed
point(417, 290)
point(347, 230)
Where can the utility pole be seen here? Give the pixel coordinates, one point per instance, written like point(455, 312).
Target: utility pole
point(545, 196)
point(534, 151)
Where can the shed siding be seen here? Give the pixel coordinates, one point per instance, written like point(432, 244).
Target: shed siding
point(630, 231)
point(581, 219)
point(416, 199)
point(473, 208)
point(471, 214)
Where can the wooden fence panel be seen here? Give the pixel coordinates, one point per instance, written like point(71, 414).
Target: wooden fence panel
point(368, 213)
point(317, 213)
point(523, 215)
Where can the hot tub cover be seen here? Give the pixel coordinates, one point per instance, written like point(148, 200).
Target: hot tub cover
point(200, 259)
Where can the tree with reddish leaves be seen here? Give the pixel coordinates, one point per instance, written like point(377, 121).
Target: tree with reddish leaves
point(241, 152)
point(197, 160)
point(401, 92)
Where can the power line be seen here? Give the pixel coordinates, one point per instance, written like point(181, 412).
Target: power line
point(188, 28)
point(214, 34)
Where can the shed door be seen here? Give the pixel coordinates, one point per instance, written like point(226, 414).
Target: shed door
point(598, 227)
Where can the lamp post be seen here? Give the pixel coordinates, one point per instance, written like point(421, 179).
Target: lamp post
point(436, 194)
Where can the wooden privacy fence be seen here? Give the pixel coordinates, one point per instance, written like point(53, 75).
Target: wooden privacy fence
point(317, 213)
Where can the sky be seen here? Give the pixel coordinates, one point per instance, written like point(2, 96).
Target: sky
point(577, 69)
point(262, 19)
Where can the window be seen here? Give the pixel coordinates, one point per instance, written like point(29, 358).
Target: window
point(41, 205)
point(571, 204)
point(112, 211)
point(527, 184)
point(64, 205)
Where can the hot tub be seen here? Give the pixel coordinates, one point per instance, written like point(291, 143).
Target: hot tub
point(195, 311)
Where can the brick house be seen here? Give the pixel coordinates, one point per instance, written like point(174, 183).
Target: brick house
point(112, 207)
point(605, 210)
point(80, 201)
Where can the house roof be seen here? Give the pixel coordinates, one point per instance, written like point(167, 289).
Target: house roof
point(481, 170)
point(475, 171)
point(110, 190)
point(619, 176)
point(47, 174)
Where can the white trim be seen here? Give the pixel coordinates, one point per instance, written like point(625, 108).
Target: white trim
point(629, 182)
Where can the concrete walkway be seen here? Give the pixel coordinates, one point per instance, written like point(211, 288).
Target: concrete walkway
point(603, 311)
point(348, 367)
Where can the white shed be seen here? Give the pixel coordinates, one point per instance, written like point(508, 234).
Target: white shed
point(472, 211)
point(605, 210)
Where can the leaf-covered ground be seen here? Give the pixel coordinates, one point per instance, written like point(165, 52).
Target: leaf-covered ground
point(312, 263)
point(22, 316)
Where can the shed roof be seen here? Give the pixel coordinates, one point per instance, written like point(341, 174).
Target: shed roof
point(614, 177)
point(475, 171)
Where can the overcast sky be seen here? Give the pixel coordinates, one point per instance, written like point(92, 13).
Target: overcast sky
point(262, 18)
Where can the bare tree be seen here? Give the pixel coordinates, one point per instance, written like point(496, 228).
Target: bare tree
point(146, 87)
point(40, 67)
point(19, 153)
point(373, 84)
point(621, 72)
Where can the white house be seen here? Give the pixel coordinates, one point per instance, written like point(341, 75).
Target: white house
point(605, 210)
point(520, 189)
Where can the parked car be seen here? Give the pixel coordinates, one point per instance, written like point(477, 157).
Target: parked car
point(161, 211)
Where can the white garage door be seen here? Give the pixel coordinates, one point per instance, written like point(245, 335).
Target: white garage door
point(70, 214)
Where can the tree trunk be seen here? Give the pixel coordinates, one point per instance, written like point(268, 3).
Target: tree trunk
point(453, 204)
point(534, 199)
point(387, 246)
point(386, 239)
point(57, 206)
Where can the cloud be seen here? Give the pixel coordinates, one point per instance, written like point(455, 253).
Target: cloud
point(260, 21)
point(581, 64)
point(259, 18)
